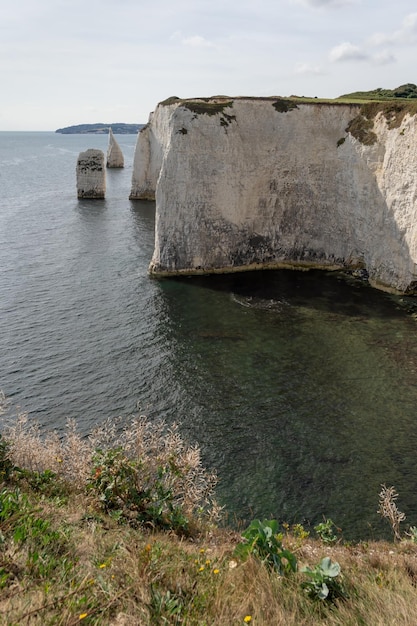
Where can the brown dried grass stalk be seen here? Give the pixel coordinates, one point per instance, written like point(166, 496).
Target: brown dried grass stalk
point(388, 509)
point(155, 445)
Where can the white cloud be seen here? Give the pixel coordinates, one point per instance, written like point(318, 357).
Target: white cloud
point(347, 52)
point(326, 3)
point(384, 58)
point(307, 68)
point(196, 41)
point(405, 35)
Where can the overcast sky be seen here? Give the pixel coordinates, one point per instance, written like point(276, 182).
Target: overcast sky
point(65, 62)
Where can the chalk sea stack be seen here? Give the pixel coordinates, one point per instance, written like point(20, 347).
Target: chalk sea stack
point(91, 174)
point(114, 153)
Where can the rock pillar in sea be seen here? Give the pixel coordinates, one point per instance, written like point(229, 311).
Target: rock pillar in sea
point(91, 174)
point(114, 153)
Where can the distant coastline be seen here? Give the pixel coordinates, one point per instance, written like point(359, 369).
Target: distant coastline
point(101, 129)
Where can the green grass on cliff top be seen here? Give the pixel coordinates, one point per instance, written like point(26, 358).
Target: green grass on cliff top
point(404, 94)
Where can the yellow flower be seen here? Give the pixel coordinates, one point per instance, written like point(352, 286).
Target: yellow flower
point(208, 562)
point(148, 547)
point(102, 565)
point(201, 568)
point(202, 550)
point(83, 615)
point(216, 571)
point(247, 618)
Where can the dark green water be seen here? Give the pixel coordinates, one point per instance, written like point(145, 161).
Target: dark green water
point(307, 395)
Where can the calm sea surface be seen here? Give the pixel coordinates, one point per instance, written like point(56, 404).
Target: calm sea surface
point(300, 388)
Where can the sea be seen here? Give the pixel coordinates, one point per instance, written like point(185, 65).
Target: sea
point(299, 387)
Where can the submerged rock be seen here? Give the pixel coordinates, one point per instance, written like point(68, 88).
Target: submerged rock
point(114, 153)
point(91, 174)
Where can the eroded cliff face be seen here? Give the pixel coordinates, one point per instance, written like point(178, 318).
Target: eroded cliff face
point(248, 183)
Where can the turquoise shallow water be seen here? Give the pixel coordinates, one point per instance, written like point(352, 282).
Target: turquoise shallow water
point(299, 387)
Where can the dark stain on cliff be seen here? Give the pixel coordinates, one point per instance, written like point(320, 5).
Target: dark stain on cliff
point(283, 106)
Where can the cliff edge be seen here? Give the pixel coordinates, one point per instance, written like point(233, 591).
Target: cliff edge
point(244, 183)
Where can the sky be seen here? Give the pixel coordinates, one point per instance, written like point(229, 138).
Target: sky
point(66, 62)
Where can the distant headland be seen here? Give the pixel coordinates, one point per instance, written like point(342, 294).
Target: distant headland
point(101, 129)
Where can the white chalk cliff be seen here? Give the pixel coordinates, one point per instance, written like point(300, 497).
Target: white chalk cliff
point(244, 183)
point(114, 152)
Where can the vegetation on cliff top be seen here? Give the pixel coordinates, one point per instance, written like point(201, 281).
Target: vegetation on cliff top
point(119, 528)
point(408, 91)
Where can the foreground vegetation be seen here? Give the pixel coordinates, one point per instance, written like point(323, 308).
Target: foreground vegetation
point(121, 528)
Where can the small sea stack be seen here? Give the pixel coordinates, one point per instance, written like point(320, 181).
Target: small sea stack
point(91, 174)
point(114, 153)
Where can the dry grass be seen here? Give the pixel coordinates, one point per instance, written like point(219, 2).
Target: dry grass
point(123, 576)
point(64, 561)
point(70, 456)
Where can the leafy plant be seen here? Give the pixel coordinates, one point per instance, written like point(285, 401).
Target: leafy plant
point(46, 483)
point(135, 492)
point(165, 607)
point(322, 583)
point(300, 532)
point(326, 531)
point(263, 541)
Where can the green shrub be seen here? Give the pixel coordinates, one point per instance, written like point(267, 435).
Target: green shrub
point(326, 531)
point(135, 492)
point(283, 106)
point(263, 541)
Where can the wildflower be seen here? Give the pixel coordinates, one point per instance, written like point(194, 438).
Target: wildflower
point(148, 547)
point(202, 550)
point(102, 565)
point(201, 568)
point(82, 615)
point(247, 618)
point(208, 562)
point(216, 571)
point(232, 564)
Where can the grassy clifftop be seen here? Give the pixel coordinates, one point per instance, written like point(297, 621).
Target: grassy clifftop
point(120, 528)
point(407, 91)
